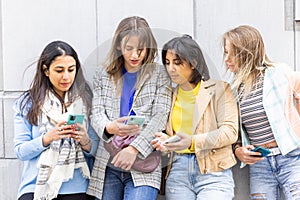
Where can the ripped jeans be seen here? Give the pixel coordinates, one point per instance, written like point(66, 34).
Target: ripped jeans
point(275, 173)
point(186, 182)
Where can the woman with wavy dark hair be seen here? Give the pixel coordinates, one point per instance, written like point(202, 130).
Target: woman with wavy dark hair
point(204, 118)
point(57, 156)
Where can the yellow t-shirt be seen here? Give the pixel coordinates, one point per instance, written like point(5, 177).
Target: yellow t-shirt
point(183, 113)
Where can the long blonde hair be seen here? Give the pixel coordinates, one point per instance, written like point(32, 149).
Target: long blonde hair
point(248, 50)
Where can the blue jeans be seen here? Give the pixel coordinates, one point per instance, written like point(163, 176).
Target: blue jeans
point(274, 173)
point(186, 182)
point(118, 185)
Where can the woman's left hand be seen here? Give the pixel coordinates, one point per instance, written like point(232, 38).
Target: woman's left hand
point(125, 158)
point(184, 143)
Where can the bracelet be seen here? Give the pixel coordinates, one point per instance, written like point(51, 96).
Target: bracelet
point(86, 143)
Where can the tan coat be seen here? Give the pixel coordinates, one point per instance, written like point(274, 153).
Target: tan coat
point(215, 126)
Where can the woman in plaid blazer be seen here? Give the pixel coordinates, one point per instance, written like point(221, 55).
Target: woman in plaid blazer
point(130, 84)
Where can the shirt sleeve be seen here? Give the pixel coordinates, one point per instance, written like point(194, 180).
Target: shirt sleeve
point(28, 142)
point(98, 117)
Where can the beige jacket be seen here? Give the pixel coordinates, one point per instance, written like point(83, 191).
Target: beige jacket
point(215, 126)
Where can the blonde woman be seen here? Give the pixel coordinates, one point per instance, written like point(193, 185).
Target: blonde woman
point(268, 96)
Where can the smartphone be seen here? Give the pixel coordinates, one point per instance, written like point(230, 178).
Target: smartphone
point(174, 138)
point(264, 152)
point(134, 119)
point(72, 119)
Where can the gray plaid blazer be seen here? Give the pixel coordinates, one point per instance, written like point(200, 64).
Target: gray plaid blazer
point(152, 100)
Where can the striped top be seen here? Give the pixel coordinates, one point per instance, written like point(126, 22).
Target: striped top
point(253, 115)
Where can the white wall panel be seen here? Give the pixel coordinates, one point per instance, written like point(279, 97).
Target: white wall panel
point(166, 18)
point(297, 46)
point(1, 58)
point(8, 102)
point(297, 10)
point(297, 35)
point(29, 25)
point(213, 18)
point(174, 15)
point(1, 127)
point(10, 176)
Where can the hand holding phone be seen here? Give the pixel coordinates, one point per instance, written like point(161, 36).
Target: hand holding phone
point(174, 138)
point(264, 152)
point(72, 119)
point(138, 120)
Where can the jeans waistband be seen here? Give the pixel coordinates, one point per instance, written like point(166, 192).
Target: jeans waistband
point(274, 151)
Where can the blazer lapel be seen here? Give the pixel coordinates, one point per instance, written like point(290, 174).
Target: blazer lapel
point(141, 86)
point(202, 100)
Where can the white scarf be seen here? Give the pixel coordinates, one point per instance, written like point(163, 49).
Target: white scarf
point(57, 163)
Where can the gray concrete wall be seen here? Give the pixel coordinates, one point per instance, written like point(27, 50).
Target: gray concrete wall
point(27, 26)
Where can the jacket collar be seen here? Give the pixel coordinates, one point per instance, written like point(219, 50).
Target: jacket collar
point(205, 93)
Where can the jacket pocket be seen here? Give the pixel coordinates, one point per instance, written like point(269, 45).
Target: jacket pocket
point(222, 158)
